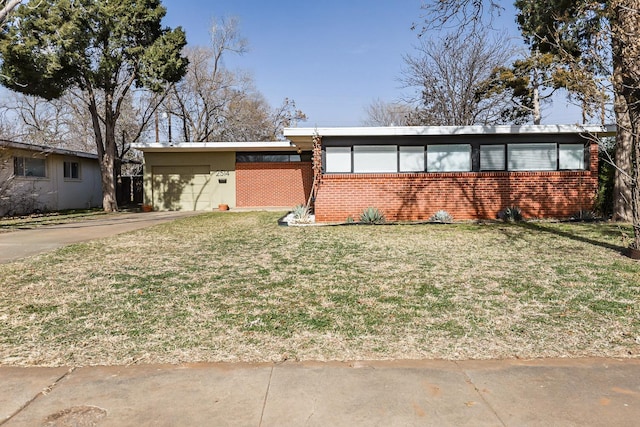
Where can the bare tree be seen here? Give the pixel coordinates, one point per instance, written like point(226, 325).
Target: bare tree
point(381, 113)
point(449, 77)
point(213, 103)
point(200, 100)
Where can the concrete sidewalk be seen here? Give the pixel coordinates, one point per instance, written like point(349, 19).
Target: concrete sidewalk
point(560, 392)
point(23, 243)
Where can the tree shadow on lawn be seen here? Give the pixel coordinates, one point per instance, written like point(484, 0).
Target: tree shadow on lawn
point(604, 230)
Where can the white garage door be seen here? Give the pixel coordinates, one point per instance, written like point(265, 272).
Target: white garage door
point(186, 188)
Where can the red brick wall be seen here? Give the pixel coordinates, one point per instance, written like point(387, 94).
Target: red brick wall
point(273, 184)
point(468, 195)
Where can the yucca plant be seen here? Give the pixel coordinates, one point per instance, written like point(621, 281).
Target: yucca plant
point(442, 216)
point(511, 214)
point(372, 216)
point(584, 215)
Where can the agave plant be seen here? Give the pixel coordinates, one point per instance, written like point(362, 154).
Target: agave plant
point(511, 214)
point(301, 214)
point(372, 216)
point(442, 216)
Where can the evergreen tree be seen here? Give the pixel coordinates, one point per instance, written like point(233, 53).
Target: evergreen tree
point(103, 48)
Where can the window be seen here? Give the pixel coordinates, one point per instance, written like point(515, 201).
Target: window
point(29, 166)
point(571, 156)
point(449, 158)
point(375, 158)
point(268, 157)
point(411, 159)
point(72, 170)
point(532, 157)
point(492, 157)
point(338, 159)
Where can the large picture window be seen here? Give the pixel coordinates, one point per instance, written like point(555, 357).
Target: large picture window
point(449, 158)
point(571, 156)
point(29, 167)
point(411, 159)
point(375, 158)
point(338, 159)
point(532, 157)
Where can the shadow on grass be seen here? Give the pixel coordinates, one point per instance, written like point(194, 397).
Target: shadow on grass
point(603, 229)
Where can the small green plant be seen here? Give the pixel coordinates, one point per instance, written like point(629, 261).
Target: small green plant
point(510, 214)
point(442, 216)
point(301, 214)
point(350, 220)
point(372, 216)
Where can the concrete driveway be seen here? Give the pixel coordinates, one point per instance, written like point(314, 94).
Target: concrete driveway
point(23, 243)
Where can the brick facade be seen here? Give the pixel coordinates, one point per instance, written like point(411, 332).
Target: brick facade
point(273, 184)
point(465, 195)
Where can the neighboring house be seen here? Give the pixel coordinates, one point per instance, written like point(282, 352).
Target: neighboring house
point(39, 178)
point(409, 173)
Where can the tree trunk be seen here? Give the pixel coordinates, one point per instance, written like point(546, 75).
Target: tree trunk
point(626, 49)
point(109, 198)
point(106, 155)
point(622, 160)
point(537, 115)
point(635, 189)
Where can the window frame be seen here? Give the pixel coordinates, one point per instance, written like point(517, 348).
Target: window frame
point(504, 158)
point(20, 163)
point(337, 150)
point(408, 148)
point(366, 158)
point(553, 162)
point(468, 151)
point(583, 159)
point(70, 169)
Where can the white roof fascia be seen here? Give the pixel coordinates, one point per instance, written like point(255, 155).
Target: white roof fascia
point(294, 133)
point(214, 146)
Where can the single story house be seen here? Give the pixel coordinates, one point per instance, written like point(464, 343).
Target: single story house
point(39, 178)
point(202, 175)
point(409, 173)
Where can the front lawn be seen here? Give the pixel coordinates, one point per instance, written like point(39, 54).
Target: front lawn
point(237, 287)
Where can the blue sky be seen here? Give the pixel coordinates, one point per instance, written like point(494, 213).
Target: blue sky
point(332, 57)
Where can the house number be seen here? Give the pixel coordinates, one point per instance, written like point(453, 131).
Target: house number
point(222, 173)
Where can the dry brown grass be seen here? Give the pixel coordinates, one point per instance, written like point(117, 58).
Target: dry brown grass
point(236, 287)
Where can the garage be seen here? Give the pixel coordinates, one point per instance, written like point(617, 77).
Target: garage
point(187, 188)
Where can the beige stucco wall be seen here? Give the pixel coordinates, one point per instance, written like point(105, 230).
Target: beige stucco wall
point(53, 192)
point(217, 166)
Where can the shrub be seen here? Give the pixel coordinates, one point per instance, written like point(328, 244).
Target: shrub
point(372, 216)
point(301, 214)
point(442, 216)
point(350, 220)
point(510, 214)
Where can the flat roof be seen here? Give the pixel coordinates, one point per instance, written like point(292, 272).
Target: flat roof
point(46, 149)
point(177, 147)
point(305, 135)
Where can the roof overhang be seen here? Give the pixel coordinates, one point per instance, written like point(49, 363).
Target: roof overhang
point(43, 149)
point(186, 147)
point(305, 135)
